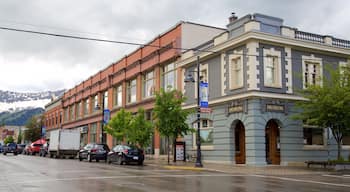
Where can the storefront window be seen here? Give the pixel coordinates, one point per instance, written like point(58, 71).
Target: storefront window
point(313, 135)
point(206, 131)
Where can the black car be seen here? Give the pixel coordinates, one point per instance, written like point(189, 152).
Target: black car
point(126, 154)
point(94, 151)
point(20, 148)
point(10, 148)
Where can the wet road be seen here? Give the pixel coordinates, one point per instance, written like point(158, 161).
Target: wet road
point(29, 173)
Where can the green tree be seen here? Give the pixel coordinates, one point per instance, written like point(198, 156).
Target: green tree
point(141, 130)
point(170, 118)
point(119, 124)
point(19, 138)
point(8, 139)
point(328, 105)
point(34, 126)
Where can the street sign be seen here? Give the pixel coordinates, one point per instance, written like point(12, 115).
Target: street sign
point(206, 110)
point(204, 96)
point(106, 116)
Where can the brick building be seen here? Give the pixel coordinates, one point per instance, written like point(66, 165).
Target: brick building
point(129, 83)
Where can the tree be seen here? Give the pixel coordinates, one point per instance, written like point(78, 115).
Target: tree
point(34, 126)
point(140, 131)
point(328, 105)
point(170, 118)
point(119, 124)
point(8, 139)
point(19, 138)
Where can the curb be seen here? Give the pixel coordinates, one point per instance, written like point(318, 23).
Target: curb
point(183, 168)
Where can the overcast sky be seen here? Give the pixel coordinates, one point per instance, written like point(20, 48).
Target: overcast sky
point(31, 63)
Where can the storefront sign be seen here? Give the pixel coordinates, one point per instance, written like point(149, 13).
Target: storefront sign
point(180, 151)
point(274, 108)
point(235, 109)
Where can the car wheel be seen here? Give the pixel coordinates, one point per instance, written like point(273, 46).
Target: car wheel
point(120, 161)
point(15, 153)
point(108, 160)
point(80, 159)
point(89, 158)
point(4, 153)
point(140, 163)
point(97, 160)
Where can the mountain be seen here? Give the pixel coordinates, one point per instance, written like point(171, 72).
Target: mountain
point(15, 101)
point(16, 108)
point(19, 118)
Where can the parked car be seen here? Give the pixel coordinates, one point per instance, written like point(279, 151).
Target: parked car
point(126, 154)
point(10, 148)
point(94, 151)
point(1, 148)
point(20, 148)
point(44, 150)
point(34, 147)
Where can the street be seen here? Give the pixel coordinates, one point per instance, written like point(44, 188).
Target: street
point(33, 173)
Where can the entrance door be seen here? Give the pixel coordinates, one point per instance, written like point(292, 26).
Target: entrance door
point(240, 143)
point(272, 136)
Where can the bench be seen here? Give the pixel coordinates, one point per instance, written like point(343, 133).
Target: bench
point(323, 163)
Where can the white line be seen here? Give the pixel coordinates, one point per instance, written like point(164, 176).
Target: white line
point(302, 181)
point(337, 176)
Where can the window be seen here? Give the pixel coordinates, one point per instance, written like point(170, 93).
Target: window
point(93, 129)
point(118, 95)
point(271, 71)
point(313, 135)
point(131, 91)
point(169, 76)
point(148, 85)
point(86, 107)
point(66, 114)
point(71, 112)
point(236, 72)
point(77, 112)
point(346, 139)
point(60, 117)
point(95, 102)
point(206, 131)
point(311, 74)
point(105, 100)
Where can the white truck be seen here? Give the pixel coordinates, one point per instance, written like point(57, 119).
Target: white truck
point(64, 143)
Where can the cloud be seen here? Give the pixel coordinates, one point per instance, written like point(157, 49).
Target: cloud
point(32, 62)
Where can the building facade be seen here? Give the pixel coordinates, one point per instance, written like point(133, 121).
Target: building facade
point(254, 70)
point(129, 83)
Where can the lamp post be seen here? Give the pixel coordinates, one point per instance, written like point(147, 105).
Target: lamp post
point(190, 78)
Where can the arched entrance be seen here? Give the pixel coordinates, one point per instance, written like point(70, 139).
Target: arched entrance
point(239, 143)
point(272, 142)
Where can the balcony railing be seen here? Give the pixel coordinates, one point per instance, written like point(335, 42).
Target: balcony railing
point(309, 36)
point(340, 43)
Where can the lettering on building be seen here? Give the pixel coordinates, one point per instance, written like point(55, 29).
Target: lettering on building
point(275, 108)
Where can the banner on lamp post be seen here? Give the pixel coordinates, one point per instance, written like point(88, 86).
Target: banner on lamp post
point(106, 116)
point(204, 94)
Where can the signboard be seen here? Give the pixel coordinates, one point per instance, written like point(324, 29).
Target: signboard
point(180, 151)
point(206, 110)
point(274, 108)
point(235, 109)
point(106, 116)
point(204, 96)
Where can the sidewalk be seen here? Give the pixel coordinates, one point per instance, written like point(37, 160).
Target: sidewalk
point(272, 170)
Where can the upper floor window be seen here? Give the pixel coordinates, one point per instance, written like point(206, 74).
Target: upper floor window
point(272, 68)
point(118, 95)
point(236, 72)
point(131, 91)
point(311, 74)
point(66, 114)
point(311, 70)
point(148, 84)
point(95, 102)
point(86, 106)
point(169, 76)
point(105, 100)
point(71, 112)
point(77, 111)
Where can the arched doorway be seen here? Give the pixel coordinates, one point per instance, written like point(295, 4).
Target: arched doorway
point(272, 142)
point(239, 143)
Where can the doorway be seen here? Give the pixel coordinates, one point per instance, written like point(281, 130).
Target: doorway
point(239, 143)
point(272, 142)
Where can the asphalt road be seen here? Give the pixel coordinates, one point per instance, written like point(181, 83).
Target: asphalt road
point(33, 173)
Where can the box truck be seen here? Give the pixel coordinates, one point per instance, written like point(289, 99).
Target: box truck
point(64, 143)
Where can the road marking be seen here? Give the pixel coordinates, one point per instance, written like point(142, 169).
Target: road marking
point(302, 181)
point(338, 176)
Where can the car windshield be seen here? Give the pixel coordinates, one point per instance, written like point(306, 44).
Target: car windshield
point(88, 146)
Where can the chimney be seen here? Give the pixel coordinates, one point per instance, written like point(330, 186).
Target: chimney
point(233, 17)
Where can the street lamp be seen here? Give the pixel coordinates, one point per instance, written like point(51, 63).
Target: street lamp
point(102, 108)
point(190, 78)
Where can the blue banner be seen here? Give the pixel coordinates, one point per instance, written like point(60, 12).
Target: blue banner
point(106, 116)
point(204, 95)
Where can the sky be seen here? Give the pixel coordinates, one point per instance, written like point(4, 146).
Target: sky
point(34, 63)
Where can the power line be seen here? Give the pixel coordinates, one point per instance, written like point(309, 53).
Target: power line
point(142, 44)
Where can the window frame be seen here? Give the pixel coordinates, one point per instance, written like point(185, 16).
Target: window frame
point(208, 128)
point(166, 76)
point(272, 56)
point(131, 88)
point(147, 91)
point(236, 81)
point(118, 95)
point(311, 61)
